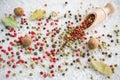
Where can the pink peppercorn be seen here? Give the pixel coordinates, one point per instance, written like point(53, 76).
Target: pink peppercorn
point(0, 47)
point(48, 31)
point(21, 50)
point(33, 33)
point(59, 66)
point(35, 59)
point(3, 50)
point(8, 71)
point(45, 5)
point(51, 71)
point(53, 75)
point(41, 60)
point(7, 75)
point(103, 34)
point(83, 47)
point(44, 57)
point(38, 23)
point(111, 66)
point(45, 75)
point(54, 60)
point(12, 52)
point(41, 73)
point(9, 48)
point(7, 53)
point(52, 66)
point(14, 66)
point(77, 54)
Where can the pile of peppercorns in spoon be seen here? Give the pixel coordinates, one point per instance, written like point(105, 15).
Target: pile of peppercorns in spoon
point(78, 32)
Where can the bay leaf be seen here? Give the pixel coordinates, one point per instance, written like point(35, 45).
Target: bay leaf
point(10, 21)
point(38, 14)
point(101, 67)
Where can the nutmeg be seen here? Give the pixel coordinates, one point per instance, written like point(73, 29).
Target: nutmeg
point(93, 43)
point(18, 11)
point(26, 41)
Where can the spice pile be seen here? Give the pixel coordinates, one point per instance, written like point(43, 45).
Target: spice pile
point(78, 32)
point(88, 21)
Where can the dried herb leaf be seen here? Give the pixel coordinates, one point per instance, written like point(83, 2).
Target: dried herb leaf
point(10, 21)
point(101, 67)
point(38, 14)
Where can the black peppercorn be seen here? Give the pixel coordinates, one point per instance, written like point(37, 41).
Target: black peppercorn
point(66, 2)
point(109, 55)
point(63, 74)
point(41, 48)
point(71, 64)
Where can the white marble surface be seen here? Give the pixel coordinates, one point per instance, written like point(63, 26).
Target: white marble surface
point(7, 6)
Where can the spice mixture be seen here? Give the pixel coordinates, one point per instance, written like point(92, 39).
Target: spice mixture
point(52, 48)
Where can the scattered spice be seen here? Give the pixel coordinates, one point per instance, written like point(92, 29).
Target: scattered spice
point(101, 67)
point(93, 43)
point(72, 34)
point(18, 11)
point(26, 41)
point(30, 74)
point(88, 21)
point(53, 14)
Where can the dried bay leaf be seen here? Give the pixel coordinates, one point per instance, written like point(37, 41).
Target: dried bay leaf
point(38, 14)
point(101, 67)
point(10, 21)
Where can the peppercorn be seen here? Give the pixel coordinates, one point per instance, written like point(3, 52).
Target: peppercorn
point(7, 39)
point(73, 61)
point(71, 64)
point(88, 54)
point(109, 55)
point(112, 40)
point(116, 53)
point(69, 11)
point(44, 28)
point(27, 27)
point(18, 57)
point(40, 49)
point(53, 45)
point(2, 30)
point(20, 71)
point(30, 74)
point(39, 37)
point(78, 67)
point(25, 62)
point(63, 74)
point(35, 53)
point(66, 2)
point(66, 63)
point(14, 74)
point(115, 65)
point(89, 60)
point(3, 40)
point(17, 53)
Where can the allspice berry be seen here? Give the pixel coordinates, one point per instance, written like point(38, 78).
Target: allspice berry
point(93, 43)
point(18, 11)
point(26, 41)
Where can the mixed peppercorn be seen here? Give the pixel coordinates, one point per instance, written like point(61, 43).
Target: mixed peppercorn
point(38, 45)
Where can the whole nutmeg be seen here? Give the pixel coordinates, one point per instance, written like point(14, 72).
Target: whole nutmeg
point(93, 43)
point(18, 11)
point(26, 41)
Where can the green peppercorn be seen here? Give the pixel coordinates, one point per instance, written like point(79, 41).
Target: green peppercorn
point(30, 74)
point(14, 74)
